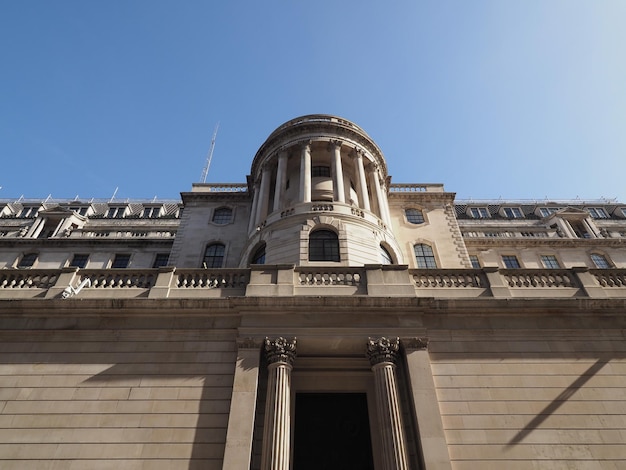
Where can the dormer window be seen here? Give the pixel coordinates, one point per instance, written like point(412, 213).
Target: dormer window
point(28, 212)
point(116, 212)
point(479, 212)
point(512, 212)
point(151, 212)
point(548, 211)
point(597, 212)
point(79, 210)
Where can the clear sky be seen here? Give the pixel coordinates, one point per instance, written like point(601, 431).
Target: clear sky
point(512, 99)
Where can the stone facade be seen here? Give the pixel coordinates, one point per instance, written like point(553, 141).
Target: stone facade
point(190, 334)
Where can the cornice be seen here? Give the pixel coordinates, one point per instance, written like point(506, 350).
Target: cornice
point(552, 242)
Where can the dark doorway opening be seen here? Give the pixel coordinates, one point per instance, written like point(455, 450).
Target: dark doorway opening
point(332, 432)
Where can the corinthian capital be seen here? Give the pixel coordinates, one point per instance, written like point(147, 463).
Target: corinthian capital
point(280, 350)
point(382, 350)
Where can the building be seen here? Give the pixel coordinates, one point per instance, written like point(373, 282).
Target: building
point(317, 316)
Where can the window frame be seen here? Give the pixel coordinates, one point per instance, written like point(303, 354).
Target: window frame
point(513, 212)
point(219, 218)
point(475, 262)
point(424, 260)
point(214, 256)
point(550, 262)
point(73, 262)
point(511, 262)
point(27, 260)
point(324, 249)
point(600, 259)
point(256, 256)
point(116, 212)
point(479, 212)
point(117, 261)
point(385, 255)
point(598, 212)
point(416, 213)
point(157, 262)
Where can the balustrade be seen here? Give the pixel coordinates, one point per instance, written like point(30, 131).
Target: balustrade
point(315, 280)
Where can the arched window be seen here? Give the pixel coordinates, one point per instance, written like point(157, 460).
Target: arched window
point(425, 257)
point(223, 215)
point(214, 256)
point(259, 255)
point(385, 256)
point(600, 261)
point(323, 246)
point(414, 216)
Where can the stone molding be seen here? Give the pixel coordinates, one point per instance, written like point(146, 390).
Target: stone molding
point(382, 349)
point(280, 350)
point(419, 344)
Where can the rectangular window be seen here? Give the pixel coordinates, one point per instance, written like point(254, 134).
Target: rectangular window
point(597, 212)
point(28, 212)
point(161, 259)
point(475, 262)
point(600, 261)
point(79, 210)
point(151, 212)
point(550, 262)
point(116, 212)
point(510, 262)
point(513, 212)
point(546, 211)
point(320, 171)
point(79, 261)
point(479, 212)
point(27, 261)
point(120, 261)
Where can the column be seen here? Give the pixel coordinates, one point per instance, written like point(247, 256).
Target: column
point(363, 194)
point(305, 173)
point(280, 354)
point(255, 203)
point(281, 177)
point(430, 426)
point(238, 449)
point(337, 169)
point(382, 201)
point(383, 354)
point(264, 194)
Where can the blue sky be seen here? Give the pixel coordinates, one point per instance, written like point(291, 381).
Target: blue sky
point(512, 99)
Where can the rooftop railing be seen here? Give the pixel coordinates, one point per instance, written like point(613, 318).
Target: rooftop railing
point(287, 280)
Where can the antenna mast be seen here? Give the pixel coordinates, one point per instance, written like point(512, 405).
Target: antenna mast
point(205, 170)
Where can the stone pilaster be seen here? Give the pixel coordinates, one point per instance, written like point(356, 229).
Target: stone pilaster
point(281, 177)
point(305, 172)
point(280, 354)
point(337, 167)
point(383, 354)
point(363, 193)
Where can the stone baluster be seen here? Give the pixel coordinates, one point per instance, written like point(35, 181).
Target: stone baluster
point(383, 355)
point(280, 354)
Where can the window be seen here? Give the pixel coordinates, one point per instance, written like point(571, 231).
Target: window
point(425, 257)
point(385, 256)
point(547, 211)
point(600, 261)
point(120, 261)
point(79, 261)
point(116, 212)
point(475, 262)
point(223, 215)
point(151, 212)
point(323, 246)
point(79, 210)
point(161, 259)
point(479, 212)
point(623, 209)
point(550, 262)
point(27, 261)
point(597, 212)
point(320, 171)
point(214, 256)
point(28, 212)
point(513, 212)
point(510, 262)
point(414, 216)
point(259, 255)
